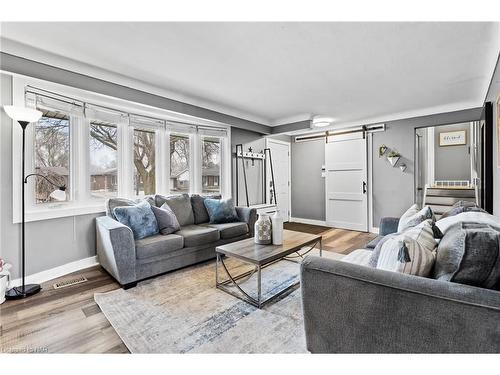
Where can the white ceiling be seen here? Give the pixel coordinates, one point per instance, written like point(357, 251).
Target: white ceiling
point(279, 72)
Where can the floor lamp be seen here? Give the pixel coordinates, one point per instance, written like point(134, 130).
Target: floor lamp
point(24, 116)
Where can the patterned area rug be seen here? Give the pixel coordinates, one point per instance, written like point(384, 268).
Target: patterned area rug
point(183, 312)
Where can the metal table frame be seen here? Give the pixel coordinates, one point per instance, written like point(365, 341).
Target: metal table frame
point(231, 283)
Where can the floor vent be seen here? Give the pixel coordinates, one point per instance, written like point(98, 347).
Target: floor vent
point(70, 282)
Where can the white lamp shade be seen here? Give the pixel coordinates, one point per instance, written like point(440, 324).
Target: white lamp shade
point(22, 113)
point(58, 195)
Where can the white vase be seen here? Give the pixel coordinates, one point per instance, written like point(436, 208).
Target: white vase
point(263, 231)
point(277, 227)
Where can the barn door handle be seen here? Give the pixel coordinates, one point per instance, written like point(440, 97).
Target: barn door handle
point(364, 187)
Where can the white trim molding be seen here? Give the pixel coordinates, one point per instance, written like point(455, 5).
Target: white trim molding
point(308, 221)
point(53, 273)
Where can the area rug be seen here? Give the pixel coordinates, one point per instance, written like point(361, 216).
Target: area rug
point(183, 312)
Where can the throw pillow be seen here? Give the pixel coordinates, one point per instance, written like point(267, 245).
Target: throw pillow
point(117, 202)
point(180, 204)
point(167, 221)
point(469, 253)
point(140, 218)
point(422, 233)
point(406, 255)
point(221, 210)
point(462, 206)
point(199, 209)
point(413, 217)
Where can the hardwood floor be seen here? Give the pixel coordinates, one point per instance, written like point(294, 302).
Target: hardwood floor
point(68, 320)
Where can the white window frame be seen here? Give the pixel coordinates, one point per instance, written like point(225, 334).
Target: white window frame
point(81, 201)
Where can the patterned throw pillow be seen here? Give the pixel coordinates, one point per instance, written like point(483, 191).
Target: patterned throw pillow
point(360, 257)
point(422, 233)
point(167, 221)
point(140, 218)
point(221, 211)
point(199, 209)
point(413, 217)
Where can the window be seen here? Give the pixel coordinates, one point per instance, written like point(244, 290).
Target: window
point(144, 162)
point(101, 147)
point(52, 154)
point(210, 164)
point(179, 163)
point(103, 160)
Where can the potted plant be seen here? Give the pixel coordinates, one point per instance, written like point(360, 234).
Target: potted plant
point(393, 157)
point(4, 279)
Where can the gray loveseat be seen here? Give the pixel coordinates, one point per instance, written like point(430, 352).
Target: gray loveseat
point(349, 308)
point(129, 260)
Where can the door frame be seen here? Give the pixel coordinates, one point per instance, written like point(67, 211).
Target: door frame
point(288, 144)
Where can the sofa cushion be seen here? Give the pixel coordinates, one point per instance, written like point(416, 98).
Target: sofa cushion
point(230, 230)
point(469, 253)
point(221, 210)
point(158, 245)
point(112, 203)
point(360, 257)
point(180, 204)
point(140, 218)
point(413, 216)
point(195, 235)
point(167, 221)
point(373, 243)
point(199, 209)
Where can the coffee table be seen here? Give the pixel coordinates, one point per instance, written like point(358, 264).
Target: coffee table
point(261, 256)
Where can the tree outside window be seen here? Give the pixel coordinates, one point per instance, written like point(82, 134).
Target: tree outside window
point(210, 166)
point(144, 162)
point(103, 159)
point(52, 154)
point(179, 163)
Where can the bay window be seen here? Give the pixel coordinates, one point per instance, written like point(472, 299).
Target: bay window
point(100, 147)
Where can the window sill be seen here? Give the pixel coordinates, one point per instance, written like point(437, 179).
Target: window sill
point(58, 211)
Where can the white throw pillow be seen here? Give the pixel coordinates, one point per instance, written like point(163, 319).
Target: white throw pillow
point(413, 216)
point(360, 257)
point(411, 252)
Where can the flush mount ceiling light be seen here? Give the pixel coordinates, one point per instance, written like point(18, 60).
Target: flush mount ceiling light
point(322, 121)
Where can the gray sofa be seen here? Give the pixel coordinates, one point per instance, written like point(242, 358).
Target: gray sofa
point(350, 308)
point(129, 260)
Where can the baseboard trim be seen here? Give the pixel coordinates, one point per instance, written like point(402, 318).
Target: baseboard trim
point(308, 221)
point(41, 277)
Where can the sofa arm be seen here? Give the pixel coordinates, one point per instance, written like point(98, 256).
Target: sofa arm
point(388, 225)
point(116, 249)
point(350, 308)
point(249, 216)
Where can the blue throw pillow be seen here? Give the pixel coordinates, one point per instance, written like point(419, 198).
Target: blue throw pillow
point(221, 210)
point(140, 218)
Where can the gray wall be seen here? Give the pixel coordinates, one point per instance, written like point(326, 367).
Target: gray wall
point(52, 243)
point(452, 162)
point(393, 190)
point(493, 94)
point(308, 187)
point(254, 172)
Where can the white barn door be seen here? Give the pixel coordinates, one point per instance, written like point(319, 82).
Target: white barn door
point(346, 176)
